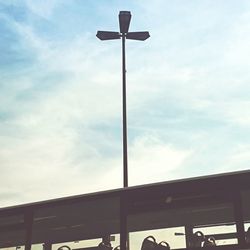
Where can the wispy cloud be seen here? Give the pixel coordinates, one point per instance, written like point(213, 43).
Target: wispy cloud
point(153, 160)
point(43, 9)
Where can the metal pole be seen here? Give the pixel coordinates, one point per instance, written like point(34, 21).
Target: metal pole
point(124, 237)
point(125, 152)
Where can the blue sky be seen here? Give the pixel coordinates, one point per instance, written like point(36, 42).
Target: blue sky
point(60, 94)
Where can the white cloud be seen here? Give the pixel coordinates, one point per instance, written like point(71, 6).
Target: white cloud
point(152, 160)
point(43, 166)
point(238, 159)
point(43, 8)
point(237, 112)
point(237, 44)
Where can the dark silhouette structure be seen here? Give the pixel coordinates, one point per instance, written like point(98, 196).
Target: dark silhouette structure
point(204, 212)
point(124, 22)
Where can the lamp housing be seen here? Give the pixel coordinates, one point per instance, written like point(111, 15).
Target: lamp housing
point(124, 21)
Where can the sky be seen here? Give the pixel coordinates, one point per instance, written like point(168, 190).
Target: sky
point(188, 94)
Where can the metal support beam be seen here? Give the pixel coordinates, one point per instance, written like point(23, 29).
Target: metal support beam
point(188, 235)
point(123, 224)
point(239, 219)
point(28, 221)
point(47, 246)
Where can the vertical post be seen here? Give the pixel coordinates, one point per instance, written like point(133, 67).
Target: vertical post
point(188, 235)
point(28, 220)
point(125, 153)
point(123, 223)
point(47, 246)
point(238, 213)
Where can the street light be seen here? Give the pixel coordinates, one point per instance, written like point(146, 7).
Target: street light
point(124, 22)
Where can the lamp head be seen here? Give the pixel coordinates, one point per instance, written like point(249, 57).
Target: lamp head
point(124, 21)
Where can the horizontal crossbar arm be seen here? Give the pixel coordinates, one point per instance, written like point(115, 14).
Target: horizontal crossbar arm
point(141, 36)
point(108, 35)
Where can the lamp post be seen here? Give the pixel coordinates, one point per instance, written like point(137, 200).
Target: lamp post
point(124, 22)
